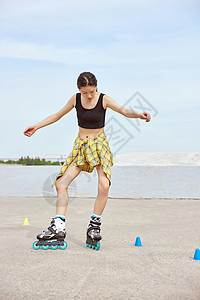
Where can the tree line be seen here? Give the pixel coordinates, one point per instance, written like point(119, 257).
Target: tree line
point(30, 161)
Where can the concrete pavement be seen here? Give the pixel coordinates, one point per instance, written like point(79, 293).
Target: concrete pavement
point(163, 268)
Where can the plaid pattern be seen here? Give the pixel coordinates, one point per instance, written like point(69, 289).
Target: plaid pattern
point(88, 153)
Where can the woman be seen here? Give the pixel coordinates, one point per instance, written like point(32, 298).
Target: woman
point(91, 149)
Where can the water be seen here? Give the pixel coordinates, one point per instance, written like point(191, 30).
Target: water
point(127, 181)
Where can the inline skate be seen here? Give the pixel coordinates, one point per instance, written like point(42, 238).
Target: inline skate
point(53, 237)
point(93, 236)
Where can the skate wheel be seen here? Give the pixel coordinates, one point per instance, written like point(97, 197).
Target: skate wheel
point(90, 246)
point(63, 247)
point(36, 247)
point(93, 247)
point(87, 245)
point(45, 247)
point(54, 247)
point(98, 246)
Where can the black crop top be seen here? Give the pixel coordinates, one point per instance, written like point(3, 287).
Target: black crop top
point(90, 117)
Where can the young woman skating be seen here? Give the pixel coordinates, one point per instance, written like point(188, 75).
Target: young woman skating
point(91, 149)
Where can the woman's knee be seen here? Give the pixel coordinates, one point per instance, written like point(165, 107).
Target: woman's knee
point(60, 184)
point(103, 186)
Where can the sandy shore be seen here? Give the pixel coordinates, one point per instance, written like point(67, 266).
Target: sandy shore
point(163, 268)
point(158, 159)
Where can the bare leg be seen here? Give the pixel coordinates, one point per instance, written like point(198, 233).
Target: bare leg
point(62, 188)
point(103, 189)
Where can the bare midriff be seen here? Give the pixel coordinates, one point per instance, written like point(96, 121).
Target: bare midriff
point(85, 133)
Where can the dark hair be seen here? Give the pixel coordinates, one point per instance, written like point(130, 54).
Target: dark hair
point(85, 79)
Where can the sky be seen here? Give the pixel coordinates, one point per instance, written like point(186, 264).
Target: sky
point(144, 54)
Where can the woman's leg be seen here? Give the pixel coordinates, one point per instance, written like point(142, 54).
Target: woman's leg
point(62, 184)
point(103, 189)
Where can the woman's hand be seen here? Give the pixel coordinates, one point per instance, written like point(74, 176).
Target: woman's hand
point(30, 130)
point(145, 116)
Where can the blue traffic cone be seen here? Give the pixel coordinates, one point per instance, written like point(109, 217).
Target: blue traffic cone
point(197, 254)
point(138, 242)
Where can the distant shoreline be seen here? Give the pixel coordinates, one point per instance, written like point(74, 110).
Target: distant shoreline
point(29, 161)
point(28, 165)
point(171, 159)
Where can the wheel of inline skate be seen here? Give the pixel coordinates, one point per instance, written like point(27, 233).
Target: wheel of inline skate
point(98, 246)
point(45, 247)
point(54, 247)
point(36, 247)
point(63, 247)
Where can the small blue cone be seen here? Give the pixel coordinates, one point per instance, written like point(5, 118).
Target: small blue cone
point(138, 242)
point(197, 254)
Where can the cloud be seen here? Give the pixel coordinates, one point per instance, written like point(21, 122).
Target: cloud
point(164, 54)
point(95, 16)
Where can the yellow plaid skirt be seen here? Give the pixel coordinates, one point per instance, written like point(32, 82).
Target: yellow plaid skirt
point(89, 153)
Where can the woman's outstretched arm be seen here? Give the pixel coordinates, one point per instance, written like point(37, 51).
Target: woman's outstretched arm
point(52, 118)
point(129, 113)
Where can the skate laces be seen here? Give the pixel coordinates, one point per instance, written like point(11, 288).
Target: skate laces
point(94, 224)
point(56, 225)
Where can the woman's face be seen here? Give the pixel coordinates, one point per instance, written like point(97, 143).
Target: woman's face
point(88, 92)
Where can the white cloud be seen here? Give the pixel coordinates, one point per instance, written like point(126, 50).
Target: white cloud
point(124, 52)
point(93, 15)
